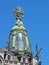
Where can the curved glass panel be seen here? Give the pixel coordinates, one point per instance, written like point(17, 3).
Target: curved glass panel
point(28, 44)
point(20, 39)
point(20, 42)
point(13, 41)
point(24, 41)
point(10, 41)
point(16, 45)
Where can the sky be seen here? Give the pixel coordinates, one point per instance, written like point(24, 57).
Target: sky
point(36, 21)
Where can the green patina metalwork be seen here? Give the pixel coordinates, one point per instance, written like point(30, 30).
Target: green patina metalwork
point(18, 39)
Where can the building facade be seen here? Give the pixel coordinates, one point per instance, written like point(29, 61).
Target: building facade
point(18, 50)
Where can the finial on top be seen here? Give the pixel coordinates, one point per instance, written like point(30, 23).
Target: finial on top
point(18, 13)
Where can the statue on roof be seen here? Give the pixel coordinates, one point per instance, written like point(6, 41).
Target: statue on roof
point(38, 52)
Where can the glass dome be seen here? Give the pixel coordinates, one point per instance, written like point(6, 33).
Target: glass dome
point(18, 41)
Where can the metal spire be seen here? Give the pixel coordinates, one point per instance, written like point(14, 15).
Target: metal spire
point(18, 13)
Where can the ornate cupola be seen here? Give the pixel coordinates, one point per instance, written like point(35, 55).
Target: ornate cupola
point(18, 41)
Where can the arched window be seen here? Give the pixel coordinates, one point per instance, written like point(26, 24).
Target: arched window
point(0, 62)
point(9, 57)
point(23, 59)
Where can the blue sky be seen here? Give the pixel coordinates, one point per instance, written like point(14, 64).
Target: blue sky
point(36, 21)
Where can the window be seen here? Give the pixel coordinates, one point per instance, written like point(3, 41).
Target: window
point(29, 59)
point(23, 59)
point(20, 37)
point(19, 58)
point(10, 39)
point(13, 41)
point(28, 44)
point(4, 56)
point(16, 42)
point(20, 41)
point(9, 57)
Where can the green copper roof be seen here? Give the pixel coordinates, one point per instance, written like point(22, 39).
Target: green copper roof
point(18, 25)
point(18, 40)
